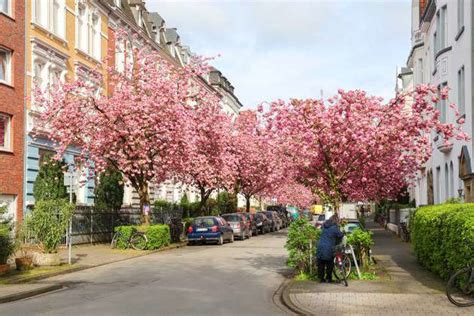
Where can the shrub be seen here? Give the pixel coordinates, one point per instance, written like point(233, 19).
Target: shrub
point(7, 244)
point(443, 236)
point(49, 184)
point(361, 241)
point(227, 202)
point(158, 235)
point(126, 232)
point(301, 234)
point(109, 190)
point(163, 204)
point(48, 222)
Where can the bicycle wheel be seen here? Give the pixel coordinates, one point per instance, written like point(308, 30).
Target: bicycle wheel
point(138, 241)
point(460, 287)
point(342, 269)
point(115, 238)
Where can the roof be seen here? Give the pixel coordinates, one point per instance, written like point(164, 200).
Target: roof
point(171, 35)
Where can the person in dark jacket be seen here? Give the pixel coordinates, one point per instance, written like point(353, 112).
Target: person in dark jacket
point(330, 237)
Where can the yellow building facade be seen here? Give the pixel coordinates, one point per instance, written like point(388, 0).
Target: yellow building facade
point(65, 39)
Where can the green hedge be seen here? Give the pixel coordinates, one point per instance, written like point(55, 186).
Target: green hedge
point(443, 236)
point(158, 235)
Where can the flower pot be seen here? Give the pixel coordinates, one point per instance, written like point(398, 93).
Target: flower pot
point(46, 259)
point(24, 263)
point(4, 268)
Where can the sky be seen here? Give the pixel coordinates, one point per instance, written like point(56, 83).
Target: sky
point(277, 49)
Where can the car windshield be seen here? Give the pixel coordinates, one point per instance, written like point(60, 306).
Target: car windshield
point(321, 218)
point(204, 222)
point(350, 227)
point(232, 218)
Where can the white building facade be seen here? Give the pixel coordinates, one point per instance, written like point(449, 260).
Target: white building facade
point(441, 55)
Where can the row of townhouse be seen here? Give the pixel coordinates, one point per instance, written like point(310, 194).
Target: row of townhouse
point(442, 55)
point(45, 41)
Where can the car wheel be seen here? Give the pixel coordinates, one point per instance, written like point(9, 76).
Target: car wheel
point(220, 242)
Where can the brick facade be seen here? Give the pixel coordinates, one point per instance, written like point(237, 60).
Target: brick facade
point(12, 38)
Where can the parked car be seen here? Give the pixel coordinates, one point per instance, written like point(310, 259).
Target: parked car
point(263, 223)
point(282, 213)
point(274, 220)
point(253, 224)
point(210, 228)
point(238, 223)
point(320, 220)
point(352, 224)
point(308, 215)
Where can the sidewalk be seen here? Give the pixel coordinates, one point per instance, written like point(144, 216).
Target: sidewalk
point(409, 290)
point(21, 285)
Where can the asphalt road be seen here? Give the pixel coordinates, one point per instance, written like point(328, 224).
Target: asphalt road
point(233, 279)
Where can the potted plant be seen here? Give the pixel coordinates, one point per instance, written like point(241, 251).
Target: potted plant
point(23, 258)
point(7, 246)
point(47, 224)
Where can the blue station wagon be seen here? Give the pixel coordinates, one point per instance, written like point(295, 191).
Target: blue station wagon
point(210, 228)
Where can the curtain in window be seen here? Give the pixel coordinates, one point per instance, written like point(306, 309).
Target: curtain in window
point(3, 65)
point(3, 130)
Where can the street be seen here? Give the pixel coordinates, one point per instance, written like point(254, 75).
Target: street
point(233, 279)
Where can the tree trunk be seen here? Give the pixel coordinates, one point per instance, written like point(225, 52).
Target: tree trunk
point(247, 203)
point(204, 197)
point(144, 200)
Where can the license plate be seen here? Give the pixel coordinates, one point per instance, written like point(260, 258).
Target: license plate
point(201, 229)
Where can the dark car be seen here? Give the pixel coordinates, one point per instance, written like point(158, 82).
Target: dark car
point(238, 223)
point(210, 228)
point(263, 223)
point(274, 220)
point(252, 222)
point(282, 213)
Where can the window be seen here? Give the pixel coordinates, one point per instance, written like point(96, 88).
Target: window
point(95, 37)
point(461, 92)
point(441, 105)
point(5, 127)
point(5, 6)
point(460, 14)
point(51, 15)
point(5, 66)
point(419, 72)
point(82, 34)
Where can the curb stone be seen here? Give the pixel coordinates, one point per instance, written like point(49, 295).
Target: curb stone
point(286, 300)
point(30, 293)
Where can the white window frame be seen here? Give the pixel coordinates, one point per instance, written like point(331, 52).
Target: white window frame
point(82, 27)
point(95, 36)
point(7, 132)
point(8, 66)
point(51, 16)
point(9, 8)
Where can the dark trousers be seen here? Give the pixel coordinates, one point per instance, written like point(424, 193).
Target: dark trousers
point(325, 267)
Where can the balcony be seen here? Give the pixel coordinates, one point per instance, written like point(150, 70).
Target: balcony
point(442, 145)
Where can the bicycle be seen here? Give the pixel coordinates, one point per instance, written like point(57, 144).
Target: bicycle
point(460, 287)
point(137, 240)
point(342, 262)
point(403, 231)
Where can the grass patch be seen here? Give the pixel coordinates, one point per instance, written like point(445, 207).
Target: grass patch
point(367, 276)
point(14, 275)
point(302, 276)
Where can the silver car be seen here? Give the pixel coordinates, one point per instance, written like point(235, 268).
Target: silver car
point(239, 225)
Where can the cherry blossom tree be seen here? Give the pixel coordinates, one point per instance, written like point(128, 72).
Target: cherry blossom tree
point(258, 165)
point(291, 193)
point(211, 164)
point(140, 127)
point(357, 148)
